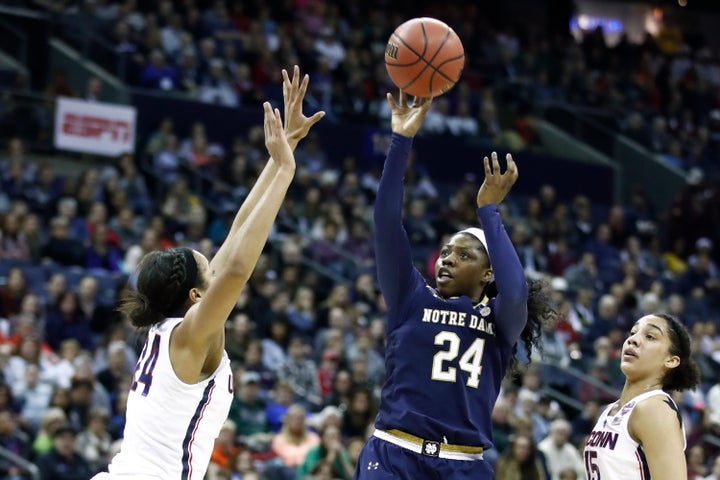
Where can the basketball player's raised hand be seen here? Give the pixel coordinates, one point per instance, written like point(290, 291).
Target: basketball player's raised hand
point(275, 138)
point(496, 184)
point(297, 125)
point(407, 119)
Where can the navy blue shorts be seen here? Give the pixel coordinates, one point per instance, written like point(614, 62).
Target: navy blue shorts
point(381, 460)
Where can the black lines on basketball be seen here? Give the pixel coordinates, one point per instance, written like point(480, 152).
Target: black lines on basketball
point(424, 57)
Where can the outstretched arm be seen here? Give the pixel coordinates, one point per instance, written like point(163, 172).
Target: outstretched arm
point(511, 301)
point(297, 126)
point(207, 317)
point(392, 247)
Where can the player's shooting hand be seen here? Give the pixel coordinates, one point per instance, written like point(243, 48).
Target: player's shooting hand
point(496, 184)
point(407, 119)
point(297, 125)
point(275, 138)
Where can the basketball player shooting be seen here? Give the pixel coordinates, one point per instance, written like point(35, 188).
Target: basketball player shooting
point(448, 347)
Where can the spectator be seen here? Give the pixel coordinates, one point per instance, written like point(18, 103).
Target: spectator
point(134, 253)
point(520, 461)
point(93, 89)
point(68, 207)
point(181, 206)
point(33, 395)
point(158, 74)
point(13, 440)
point(94, 442)
point(360, 413)
point(248, 412)
point(559, 452)
point(225, 448)
point(583, 424)
point(300, 373)
point(61, 247)
point(327, 371)
point(292, 443)
point(52, 418)
point(13, 242)
point(62, 462)
point(166, 160)
point(12, 293)
point(68, 322)
point(113, 377)
point(331, 451)
point(101, 316)
point(216, 87)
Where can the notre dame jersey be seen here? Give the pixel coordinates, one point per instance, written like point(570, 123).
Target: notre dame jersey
point(445, 358)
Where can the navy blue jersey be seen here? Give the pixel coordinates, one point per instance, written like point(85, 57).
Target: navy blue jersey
point(445, 358)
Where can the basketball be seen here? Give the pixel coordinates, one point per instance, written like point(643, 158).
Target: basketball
point(424, 57)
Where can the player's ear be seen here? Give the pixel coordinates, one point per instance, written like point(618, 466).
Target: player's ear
point(487, 275)
point(195, 295)
point(672, 361)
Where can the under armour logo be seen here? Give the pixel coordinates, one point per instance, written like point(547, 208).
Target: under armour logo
point(431, 449)
point(373, 465)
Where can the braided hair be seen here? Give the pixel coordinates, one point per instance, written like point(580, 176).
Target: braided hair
point(163, 281)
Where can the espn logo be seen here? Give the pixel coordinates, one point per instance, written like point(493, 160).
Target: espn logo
point(95, 127)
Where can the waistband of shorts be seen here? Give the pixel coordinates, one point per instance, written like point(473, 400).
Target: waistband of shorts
point(429, 448)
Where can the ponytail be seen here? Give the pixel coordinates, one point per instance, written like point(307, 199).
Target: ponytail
point(541, 308)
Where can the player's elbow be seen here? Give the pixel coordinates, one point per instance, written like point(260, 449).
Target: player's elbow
point(238, 269)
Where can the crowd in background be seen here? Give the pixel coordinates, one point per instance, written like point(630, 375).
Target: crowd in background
point(663, 93)
point(307, 336)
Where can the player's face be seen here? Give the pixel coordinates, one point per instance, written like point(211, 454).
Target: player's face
point(462, 268)
point(646, 352)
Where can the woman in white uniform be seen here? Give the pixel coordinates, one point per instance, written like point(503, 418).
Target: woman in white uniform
point(641, 436)
point(182, 386)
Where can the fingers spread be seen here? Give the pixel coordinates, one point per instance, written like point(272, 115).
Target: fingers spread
point(268, 115)
point(511, 165)
point(303, 85)
point(391, 101)
point(316, 117)
point(495, 163)
point(486, 164)
point(296, 74)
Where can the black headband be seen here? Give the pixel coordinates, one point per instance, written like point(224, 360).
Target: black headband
point(191, 271)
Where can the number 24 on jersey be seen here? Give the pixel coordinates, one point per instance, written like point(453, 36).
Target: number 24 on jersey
point(470, 361)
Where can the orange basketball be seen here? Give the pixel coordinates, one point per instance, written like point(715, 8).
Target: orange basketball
point(424, 57)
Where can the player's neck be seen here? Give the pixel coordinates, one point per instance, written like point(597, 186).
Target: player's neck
point(633, 389)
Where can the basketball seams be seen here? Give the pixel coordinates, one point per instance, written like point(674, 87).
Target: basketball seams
point(428, 62)
point(414, 74)
point(443, 74)
point(405, 44)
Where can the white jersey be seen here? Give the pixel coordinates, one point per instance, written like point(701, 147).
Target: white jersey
point(171, 426)
point(610, 452)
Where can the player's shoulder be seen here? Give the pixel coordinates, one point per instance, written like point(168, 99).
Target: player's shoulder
point(655, 411)
point(662, 402)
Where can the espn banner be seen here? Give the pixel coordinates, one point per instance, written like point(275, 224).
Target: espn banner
point(92, 127)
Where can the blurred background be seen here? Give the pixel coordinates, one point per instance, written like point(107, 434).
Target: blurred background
point(127, 126)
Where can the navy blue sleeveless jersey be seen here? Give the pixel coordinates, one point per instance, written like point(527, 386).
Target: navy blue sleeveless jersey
point(445, 358)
